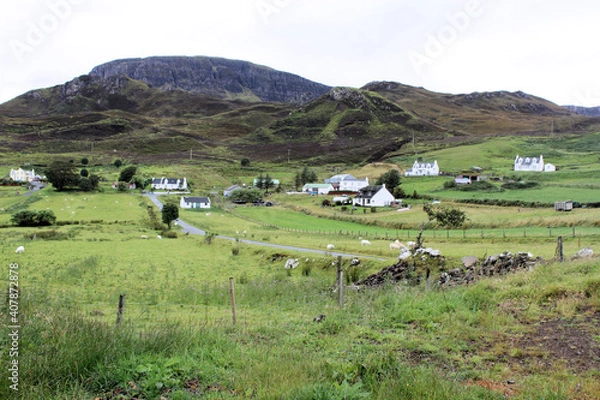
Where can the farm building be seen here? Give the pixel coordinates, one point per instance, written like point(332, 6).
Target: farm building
point(423, 169)
point(194, 202)
point(563, 205)
point(317, 188)
point(374, 196)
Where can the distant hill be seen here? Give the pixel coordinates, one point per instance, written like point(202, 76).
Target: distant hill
point(476, 113)
point(218, 77)
point(588, 111)
point(159, 108)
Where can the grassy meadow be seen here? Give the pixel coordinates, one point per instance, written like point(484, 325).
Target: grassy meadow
point(528, 335)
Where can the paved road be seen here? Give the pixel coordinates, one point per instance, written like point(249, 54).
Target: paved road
point(185, 227)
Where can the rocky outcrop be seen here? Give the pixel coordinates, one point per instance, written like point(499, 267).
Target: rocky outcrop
point(224, 78)
point(588, 111)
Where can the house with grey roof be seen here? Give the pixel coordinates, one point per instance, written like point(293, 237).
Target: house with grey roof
point(194, 202)
point(169, 183)
point(533, 164)
point(373, 196)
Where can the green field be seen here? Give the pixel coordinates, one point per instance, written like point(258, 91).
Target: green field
point(528, 335)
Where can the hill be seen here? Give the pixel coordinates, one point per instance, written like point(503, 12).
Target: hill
point(589, 111)
point(160, 108)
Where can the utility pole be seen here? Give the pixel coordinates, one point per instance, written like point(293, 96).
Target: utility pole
point(190, 154)
point(288, 156)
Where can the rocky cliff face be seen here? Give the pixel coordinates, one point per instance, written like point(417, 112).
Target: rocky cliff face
point(588, 111)
point(230, 79)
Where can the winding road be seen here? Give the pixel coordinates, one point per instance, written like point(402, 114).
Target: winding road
point(185, 227)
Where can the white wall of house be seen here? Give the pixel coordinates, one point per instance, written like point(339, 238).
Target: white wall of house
point(319, 188)
point(353, 185)
point(529, 164)
point(21, 175)
point(188, 203)
point(382, 198)
point(423, 169)
point(169, 183)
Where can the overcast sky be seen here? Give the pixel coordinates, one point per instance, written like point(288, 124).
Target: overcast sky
point(548, 48)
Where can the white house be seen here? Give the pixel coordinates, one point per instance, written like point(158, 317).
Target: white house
point(533, 164)
point(230, 189)
point(347, 183)
point(194, 202)
point(21, 175)
point(317, 188)
point(423, 169)
point(169, 183)
point(373, 196)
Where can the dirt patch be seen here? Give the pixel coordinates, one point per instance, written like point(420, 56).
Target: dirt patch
point(574, 343)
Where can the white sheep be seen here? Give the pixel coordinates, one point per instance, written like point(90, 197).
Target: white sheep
point(158, 237)
point(330, 246)
point(20, 249)
point(291, 263)
point(365, 242)
point(411, 245)
point(144, 237)
point(397, 245)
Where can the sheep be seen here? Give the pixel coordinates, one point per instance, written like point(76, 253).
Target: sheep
point(20, 249)
point(291, 263)
point(397, 245)
point(330, 246)
point(158, 237)
point(365, 242)
point(144, 237)
point(411, 245)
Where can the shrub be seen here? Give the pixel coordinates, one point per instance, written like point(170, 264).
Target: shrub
point(32, 218)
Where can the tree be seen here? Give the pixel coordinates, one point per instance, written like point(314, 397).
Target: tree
point(447, 217)
point(260, 181)
point(84, 161)
point(170, 212)
point(268, 183)
point(95, 179)
point(117, 163)
point(308, 176)
point(62, 175)
point(127, 173)
point(246, 195)
point(85, 184)
point(391, 179)
point(84, 172)
point(245, 162)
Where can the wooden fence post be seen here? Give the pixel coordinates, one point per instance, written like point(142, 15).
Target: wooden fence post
point(561, 255)
point(340, 282)
point(121, 308)
point(232, 295)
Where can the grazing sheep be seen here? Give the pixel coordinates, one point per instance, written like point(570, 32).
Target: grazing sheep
point(291, 263)
point(20, 249)
point(330, 247)
point(411, 245)
point(158, 237)
point(365, 242)
point(397, 245)
point(319, 318)
point(144, 237)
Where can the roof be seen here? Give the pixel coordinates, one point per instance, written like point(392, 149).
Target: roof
point(339, 178)
point(233, 187)
point(318, 185)
point(196, 199)
point(368, 191)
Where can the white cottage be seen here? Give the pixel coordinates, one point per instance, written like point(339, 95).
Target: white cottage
point(21, 175)
point(533, 164)
point(194, 202)
point(169, 183)
point(423, 169)
point(373, 196)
